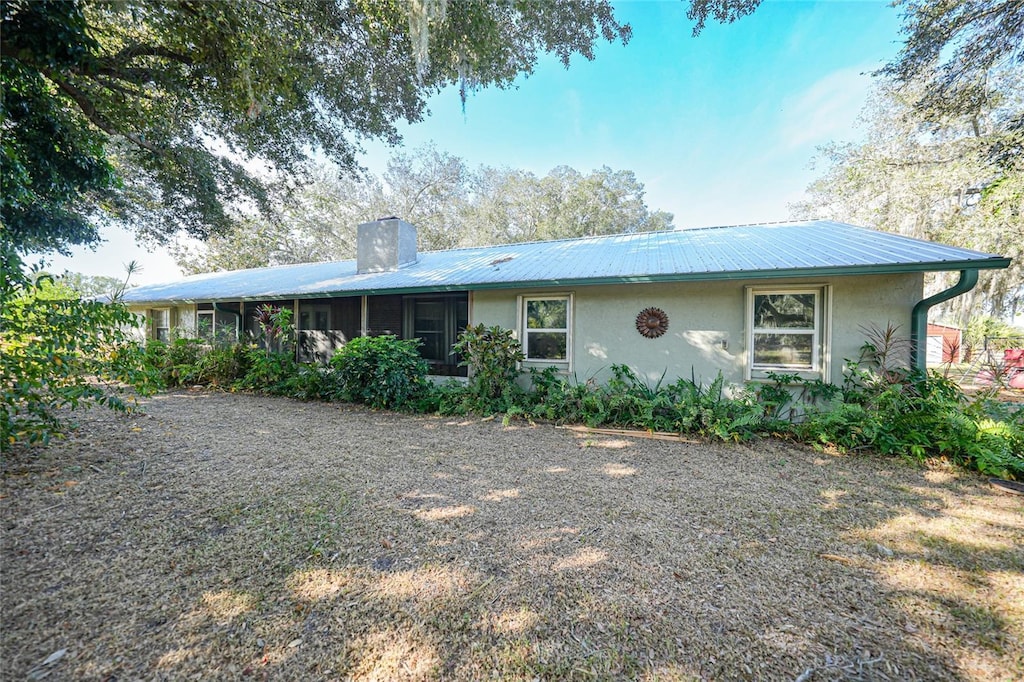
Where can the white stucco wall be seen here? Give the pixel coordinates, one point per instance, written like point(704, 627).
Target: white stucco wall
point(707, 330)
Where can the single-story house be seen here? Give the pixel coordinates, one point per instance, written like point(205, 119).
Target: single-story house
point(742, 300)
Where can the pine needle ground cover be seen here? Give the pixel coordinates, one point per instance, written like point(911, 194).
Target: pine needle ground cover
point(228, 536)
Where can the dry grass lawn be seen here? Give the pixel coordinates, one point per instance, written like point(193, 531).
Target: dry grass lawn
point(224, 536)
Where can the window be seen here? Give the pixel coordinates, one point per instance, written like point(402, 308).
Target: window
point(545, 326)
point(204, 325)
point(161, 320)
point(315, 316)
point(216, 325)
point(787, 330)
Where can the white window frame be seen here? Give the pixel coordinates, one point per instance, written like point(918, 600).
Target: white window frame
point(161, 312)
point(820, 335)
point(212, 315)
point(523, 331)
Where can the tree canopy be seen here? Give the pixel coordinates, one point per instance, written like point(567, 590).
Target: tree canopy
point(174, 115)
point(954, 47)
point(938, 182)
point(450, 204)
point(944, 154)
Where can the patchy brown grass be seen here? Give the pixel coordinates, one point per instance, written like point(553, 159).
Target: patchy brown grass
point(235, 537)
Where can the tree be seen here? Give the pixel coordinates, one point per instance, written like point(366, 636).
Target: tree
point(515, 206)
point(88, 286)
point(954, 47)
point(939, 182)
point(450, 205)
point(58, 352)
point(175, 115)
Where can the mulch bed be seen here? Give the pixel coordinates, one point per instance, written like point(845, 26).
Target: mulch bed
point(238, 537)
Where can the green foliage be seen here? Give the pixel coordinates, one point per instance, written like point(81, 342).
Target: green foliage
point(982, 327)
point(176, 362)
point(955, 46)
point(929, 175)
point(268, 372)
point(154, 113)
point(451, 205)
point(921, 416)
point(57, 352)
point(492, 355)
point(276, 328)
point(224, 365)
point(880, 407)
point(309, 382)
point(52, 165)
point(684, 406)
point(380, 371)
point(897, 411)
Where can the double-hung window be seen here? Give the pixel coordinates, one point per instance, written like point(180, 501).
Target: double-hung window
point(787, 330)
point(545, 327)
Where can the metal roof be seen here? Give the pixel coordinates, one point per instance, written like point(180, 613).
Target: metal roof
point(794, 249)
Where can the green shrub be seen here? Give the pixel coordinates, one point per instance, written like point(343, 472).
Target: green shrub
point(181, 362)
point(627, 401)
point(492, 355)
point(450, 398)
point(59, 351)
point(380, 371)
point(266, 371)
point(552, 397)
point(223, 365)
point(917, 415)
point(309, 382)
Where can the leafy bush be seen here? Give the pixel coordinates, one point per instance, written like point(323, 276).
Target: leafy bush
point(492, 355)
point(276, 329)
point(380, 371)
point(176, 361)
point(450, 398)
point(627, 401)
point(309, 382)
point(223, 365)
point(882, 405)
point(59, 351)
point(266, 371)
point(193, 362)
point(898, 411)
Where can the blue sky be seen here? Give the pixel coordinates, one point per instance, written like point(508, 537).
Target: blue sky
point(721, 128)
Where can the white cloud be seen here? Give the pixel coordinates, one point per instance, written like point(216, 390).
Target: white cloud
point(825, 111)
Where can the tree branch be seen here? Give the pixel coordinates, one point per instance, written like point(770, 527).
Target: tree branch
point(132, 51)
point(117, 87)
point(92, 113)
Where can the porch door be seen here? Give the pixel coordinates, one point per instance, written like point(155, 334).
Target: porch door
point(437, 322)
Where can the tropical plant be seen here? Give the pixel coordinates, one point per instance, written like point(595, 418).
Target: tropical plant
point(275, 323)
point(492, 355)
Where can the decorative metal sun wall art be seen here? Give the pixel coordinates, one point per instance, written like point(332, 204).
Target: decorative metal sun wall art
point(652, 322)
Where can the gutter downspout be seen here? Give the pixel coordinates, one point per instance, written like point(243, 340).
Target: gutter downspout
point(919, 317)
